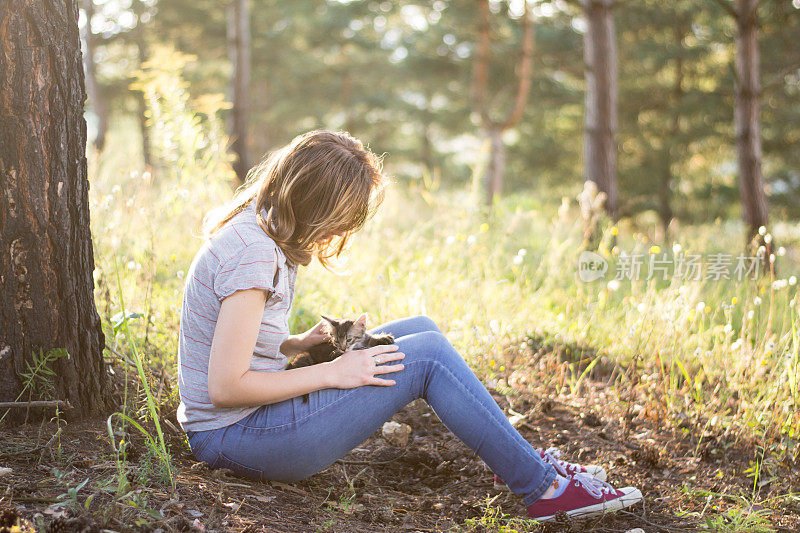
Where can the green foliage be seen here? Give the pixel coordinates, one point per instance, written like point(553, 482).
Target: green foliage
point(38, 378)
point(737, 520)
point(157, 446)
point(399, 76)
point(494, 520)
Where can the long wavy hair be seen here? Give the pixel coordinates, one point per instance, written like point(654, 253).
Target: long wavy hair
point(317, 191)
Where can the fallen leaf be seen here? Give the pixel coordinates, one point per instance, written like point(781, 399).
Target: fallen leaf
point(233, 506)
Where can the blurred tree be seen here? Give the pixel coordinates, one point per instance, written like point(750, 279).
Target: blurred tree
point(748, 131)
point(600, 126)
point(46, 277)
point(96, 96)
point(493, 129)
point(140, 10)
point(239, 54)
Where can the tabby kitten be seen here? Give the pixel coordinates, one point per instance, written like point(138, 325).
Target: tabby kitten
point(344, 335)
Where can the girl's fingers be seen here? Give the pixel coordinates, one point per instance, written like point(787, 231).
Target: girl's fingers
point(393, 356)
point(382, 348)
point(381, 382)
point(386, 369)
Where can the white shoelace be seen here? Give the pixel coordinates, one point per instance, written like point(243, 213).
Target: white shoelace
point(593, 486)
point(553, 455)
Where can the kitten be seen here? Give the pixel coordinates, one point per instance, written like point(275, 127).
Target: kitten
point(344, 335)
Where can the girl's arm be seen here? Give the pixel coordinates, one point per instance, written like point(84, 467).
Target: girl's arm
point(231, 383)
point(295, 344)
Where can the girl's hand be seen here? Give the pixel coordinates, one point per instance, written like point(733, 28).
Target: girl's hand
point(316, 335)
point(294, 344)
point(359, 367)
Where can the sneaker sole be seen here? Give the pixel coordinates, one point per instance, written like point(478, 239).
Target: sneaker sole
point(632, 497)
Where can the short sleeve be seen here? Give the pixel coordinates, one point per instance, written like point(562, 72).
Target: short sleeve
point(254, 267)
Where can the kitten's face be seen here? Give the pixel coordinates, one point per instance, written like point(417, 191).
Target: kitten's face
point(345, 333)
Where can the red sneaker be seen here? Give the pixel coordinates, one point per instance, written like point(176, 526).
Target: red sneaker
point(564, 469)
point(585, 496)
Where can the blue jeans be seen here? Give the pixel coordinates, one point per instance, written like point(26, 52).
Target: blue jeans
point(291, 440)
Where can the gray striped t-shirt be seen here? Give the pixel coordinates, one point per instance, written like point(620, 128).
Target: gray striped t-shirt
point(238, 256)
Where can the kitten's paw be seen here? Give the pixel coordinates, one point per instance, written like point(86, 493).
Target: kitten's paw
point(385, 338)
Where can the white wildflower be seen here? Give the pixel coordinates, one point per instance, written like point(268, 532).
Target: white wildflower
point(779, 284)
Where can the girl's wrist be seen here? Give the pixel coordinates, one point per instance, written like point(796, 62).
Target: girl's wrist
point(293, 345)
point(330, 376)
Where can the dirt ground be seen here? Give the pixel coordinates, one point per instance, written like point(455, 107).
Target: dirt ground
point(435, 483)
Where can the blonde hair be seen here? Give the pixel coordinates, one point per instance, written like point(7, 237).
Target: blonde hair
point(317, 191)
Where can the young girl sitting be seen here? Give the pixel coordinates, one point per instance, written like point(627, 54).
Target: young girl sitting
point(241, 408)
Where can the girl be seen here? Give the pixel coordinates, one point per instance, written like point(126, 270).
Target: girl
point(241, 408)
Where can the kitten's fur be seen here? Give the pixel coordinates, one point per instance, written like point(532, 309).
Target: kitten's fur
point(344, 335)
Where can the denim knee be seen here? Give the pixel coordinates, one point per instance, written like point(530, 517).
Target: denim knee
point(426, 323)
point(427, 346)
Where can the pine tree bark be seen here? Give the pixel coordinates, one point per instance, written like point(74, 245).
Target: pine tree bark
point(600, 124)
point(748, 132)
point(47, 264)
point(96, 96)
point(239, 54)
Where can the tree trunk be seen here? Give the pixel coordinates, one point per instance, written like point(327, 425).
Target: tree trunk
point(497, 165)
point(239, 54)
point(493, 179)
point(47, 265)
point(96, 97)
point(142, 53)
point(600, 126)
point(748, 135)
point(668, 152)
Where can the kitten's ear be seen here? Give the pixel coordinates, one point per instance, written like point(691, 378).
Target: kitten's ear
point(331, 321)
point(359, 326)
